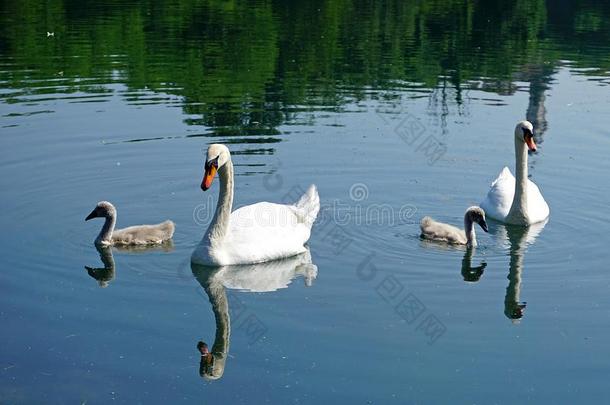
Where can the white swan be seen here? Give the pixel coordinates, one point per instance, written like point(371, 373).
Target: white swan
point(255, 233)
point(133, 235)
point(517, 201)
point(438, 231)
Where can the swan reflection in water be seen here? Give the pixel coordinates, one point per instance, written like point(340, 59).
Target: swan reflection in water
point(104, 275)
point(262, 277)
point(518, 239)
point(471, 273)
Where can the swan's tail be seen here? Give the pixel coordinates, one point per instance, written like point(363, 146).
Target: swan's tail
point(308, 206)
point(168, 228)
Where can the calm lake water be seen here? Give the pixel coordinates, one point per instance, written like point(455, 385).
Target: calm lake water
point(395, 111)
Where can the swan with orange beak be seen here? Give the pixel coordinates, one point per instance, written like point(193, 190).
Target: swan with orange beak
point(517, 200)
point(528, 135)
point(255, 233)
point(211, 167)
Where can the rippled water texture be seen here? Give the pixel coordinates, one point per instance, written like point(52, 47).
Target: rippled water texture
point(395, 110)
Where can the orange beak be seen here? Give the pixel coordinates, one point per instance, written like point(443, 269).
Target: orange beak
point(529, 141)
point(208, 177)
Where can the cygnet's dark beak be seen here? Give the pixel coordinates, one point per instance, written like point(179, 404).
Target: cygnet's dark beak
point(92, 215)
point(483, 225)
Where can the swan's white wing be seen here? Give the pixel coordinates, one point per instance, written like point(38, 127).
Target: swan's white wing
point(264, 231)
point(500, 196)
point(537, 208)
point(499, 199)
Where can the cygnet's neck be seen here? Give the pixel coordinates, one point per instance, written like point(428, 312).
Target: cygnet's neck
point(471, 238)
point(105, 236)
point(518, 210)
point(220, 223)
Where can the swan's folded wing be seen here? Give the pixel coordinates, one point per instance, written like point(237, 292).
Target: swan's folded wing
point(499, 199)
point(266, 231)
point(537, 208)
point(434, 230)
point(144, 234)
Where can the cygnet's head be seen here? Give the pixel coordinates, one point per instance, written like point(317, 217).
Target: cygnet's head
point(217, 156)
point(524, 132)
point(477, 215)
point(103, 209)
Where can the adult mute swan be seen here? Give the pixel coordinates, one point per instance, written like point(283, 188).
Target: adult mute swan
point(255, 233)
point(517, 201)
point(133, 235)
point(438, 231)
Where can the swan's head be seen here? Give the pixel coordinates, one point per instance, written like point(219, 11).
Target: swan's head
point(524, 132)
point(103, 209)
point(218, 155)
point(477, 215)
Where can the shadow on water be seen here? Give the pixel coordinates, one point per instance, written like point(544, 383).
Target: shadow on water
point(262, 277)
point(104, 275)
point(518, 239)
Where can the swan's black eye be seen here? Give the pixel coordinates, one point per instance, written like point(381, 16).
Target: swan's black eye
point(213, 162)
point(527, 132)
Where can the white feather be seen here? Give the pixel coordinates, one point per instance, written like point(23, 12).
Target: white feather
point(499, 199)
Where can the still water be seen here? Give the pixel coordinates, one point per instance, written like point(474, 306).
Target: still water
point(395, 111)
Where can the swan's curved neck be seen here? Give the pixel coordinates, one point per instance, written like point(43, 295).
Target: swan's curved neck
point(105, 235)
point(471, 238)
point(518, 210)
point(220, 223)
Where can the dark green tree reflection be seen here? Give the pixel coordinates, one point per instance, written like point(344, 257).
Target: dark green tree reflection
point(243, 67)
